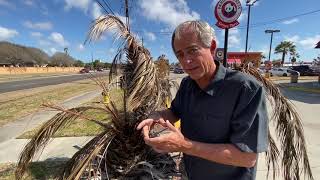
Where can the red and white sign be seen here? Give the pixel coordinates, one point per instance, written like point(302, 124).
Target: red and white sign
point(227, 13)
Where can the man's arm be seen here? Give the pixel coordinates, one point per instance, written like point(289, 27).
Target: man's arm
point(220, 153)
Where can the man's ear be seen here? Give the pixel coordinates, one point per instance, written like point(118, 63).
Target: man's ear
point(213, 46)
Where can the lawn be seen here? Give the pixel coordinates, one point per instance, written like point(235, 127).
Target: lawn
point(82, 127)
point(14, 105)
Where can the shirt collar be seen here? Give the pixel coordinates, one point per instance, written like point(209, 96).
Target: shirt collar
point(217, 81)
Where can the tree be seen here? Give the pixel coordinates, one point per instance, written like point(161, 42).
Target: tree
point(62, 60)
point(79, 63)
point(286, 47)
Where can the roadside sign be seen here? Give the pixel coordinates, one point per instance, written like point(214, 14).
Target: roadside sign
point(227, 13)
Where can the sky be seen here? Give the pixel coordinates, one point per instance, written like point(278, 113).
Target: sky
point(52, 25)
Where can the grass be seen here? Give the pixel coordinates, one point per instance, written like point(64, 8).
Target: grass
point(309, 90)
point(277, 78)
point(17, 104)
point(81, 127)
point(45, 170)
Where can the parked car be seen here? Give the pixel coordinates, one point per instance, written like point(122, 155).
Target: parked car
point(304, 70)
point(84, 70)
point(178, 71)
point(279, 72)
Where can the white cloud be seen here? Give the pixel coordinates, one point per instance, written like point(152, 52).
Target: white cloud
point(6, 4)
point(42, 42)
point(87, 6)
point(96, 11)
point(151, 36)
point(39, 25)
point(243, 16)
point(294, 38)
point(53, 50)
point(59, 39)
point(234, 41)
point(36, 34)
point(6, 33)
point(80, 47)
point(80, 4)
point(168, 12)
point(29, 2)
point(310, 42)
point(291, 21)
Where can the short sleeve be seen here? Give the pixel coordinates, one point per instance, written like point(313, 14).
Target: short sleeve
point(249, 124)
point(176, 104)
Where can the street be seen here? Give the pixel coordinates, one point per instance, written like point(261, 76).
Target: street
point(45, 81)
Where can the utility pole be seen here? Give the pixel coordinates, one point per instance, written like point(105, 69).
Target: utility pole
point(249, 3)
point(271, 31)
point(127, 15)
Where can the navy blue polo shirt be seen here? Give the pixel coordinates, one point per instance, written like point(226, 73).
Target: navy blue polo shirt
point(232, 109)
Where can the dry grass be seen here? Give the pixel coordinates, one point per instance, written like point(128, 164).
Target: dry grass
point(308, 90)
point(17, 104)
point(80, 127)
point(278, 78)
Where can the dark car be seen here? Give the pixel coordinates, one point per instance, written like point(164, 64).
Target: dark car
point(304, 70)
point(178, 71)
point(84, 70)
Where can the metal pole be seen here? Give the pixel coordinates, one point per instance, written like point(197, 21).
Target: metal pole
point(127, 14)
point(270, 46)
point(226, 34)
point(248, 23)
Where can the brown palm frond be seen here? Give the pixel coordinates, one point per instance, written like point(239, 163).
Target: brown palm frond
point(84, 157)
point(42, 137)
point(289, 131)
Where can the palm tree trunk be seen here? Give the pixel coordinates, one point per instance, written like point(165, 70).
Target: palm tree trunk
point(283, 56)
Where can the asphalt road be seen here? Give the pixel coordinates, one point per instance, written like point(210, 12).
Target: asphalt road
point(39, 82)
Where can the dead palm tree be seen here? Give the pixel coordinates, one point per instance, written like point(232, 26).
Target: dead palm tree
point(289, 147)
point(285, 47)
point(119, 151)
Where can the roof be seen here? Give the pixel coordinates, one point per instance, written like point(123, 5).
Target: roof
point(318, 45)
point(243, 53)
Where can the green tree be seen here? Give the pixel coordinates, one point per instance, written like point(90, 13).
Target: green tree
point(284, 48)
point(79, 63)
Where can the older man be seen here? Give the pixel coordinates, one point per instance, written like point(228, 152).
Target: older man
point(222, 111)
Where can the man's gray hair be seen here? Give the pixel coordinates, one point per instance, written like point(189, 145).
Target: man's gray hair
point(204, 31)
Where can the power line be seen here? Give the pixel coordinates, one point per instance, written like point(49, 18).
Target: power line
point(108, 6)
point(105, 10)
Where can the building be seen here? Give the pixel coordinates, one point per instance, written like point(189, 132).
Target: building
point(242, 57)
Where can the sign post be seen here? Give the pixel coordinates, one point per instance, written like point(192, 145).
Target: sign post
point(227, 13)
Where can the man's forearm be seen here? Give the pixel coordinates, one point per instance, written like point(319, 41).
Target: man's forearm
point(220, 153)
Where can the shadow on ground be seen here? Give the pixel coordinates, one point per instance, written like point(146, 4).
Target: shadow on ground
point(42, 170)
point(306, 92)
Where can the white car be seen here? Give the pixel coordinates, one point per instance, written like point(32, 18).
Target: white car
point(279, 72)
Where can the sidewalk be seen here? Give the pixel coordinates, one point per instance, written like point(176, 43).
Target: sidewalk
point(10, 147)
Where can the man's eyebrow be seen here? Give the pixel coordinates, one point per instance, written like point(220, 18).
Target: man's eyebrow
point(187, 48)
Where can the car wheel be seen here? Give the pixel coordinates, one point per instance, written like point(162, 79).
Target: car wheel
point(285, 75)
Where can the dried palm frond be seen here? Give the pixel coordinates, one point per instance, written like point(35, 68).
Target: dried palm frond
point(289, 130)
point(119, 151)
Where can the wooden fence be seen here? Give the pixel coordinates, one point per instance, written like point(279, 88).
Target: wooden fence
point(35, 70)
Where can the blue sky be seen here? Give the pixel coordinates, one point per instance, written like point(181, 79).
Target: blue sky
point(52, 25)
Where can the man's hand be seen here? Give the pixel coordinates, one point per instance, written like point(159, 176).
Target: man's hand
point(171, 141)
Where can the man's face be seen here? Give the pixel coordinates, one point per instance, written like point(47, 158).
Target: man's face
point(194, 58)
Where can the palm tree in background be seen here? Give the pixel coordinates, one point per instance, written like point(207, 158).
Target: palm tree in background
point(286, 47)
